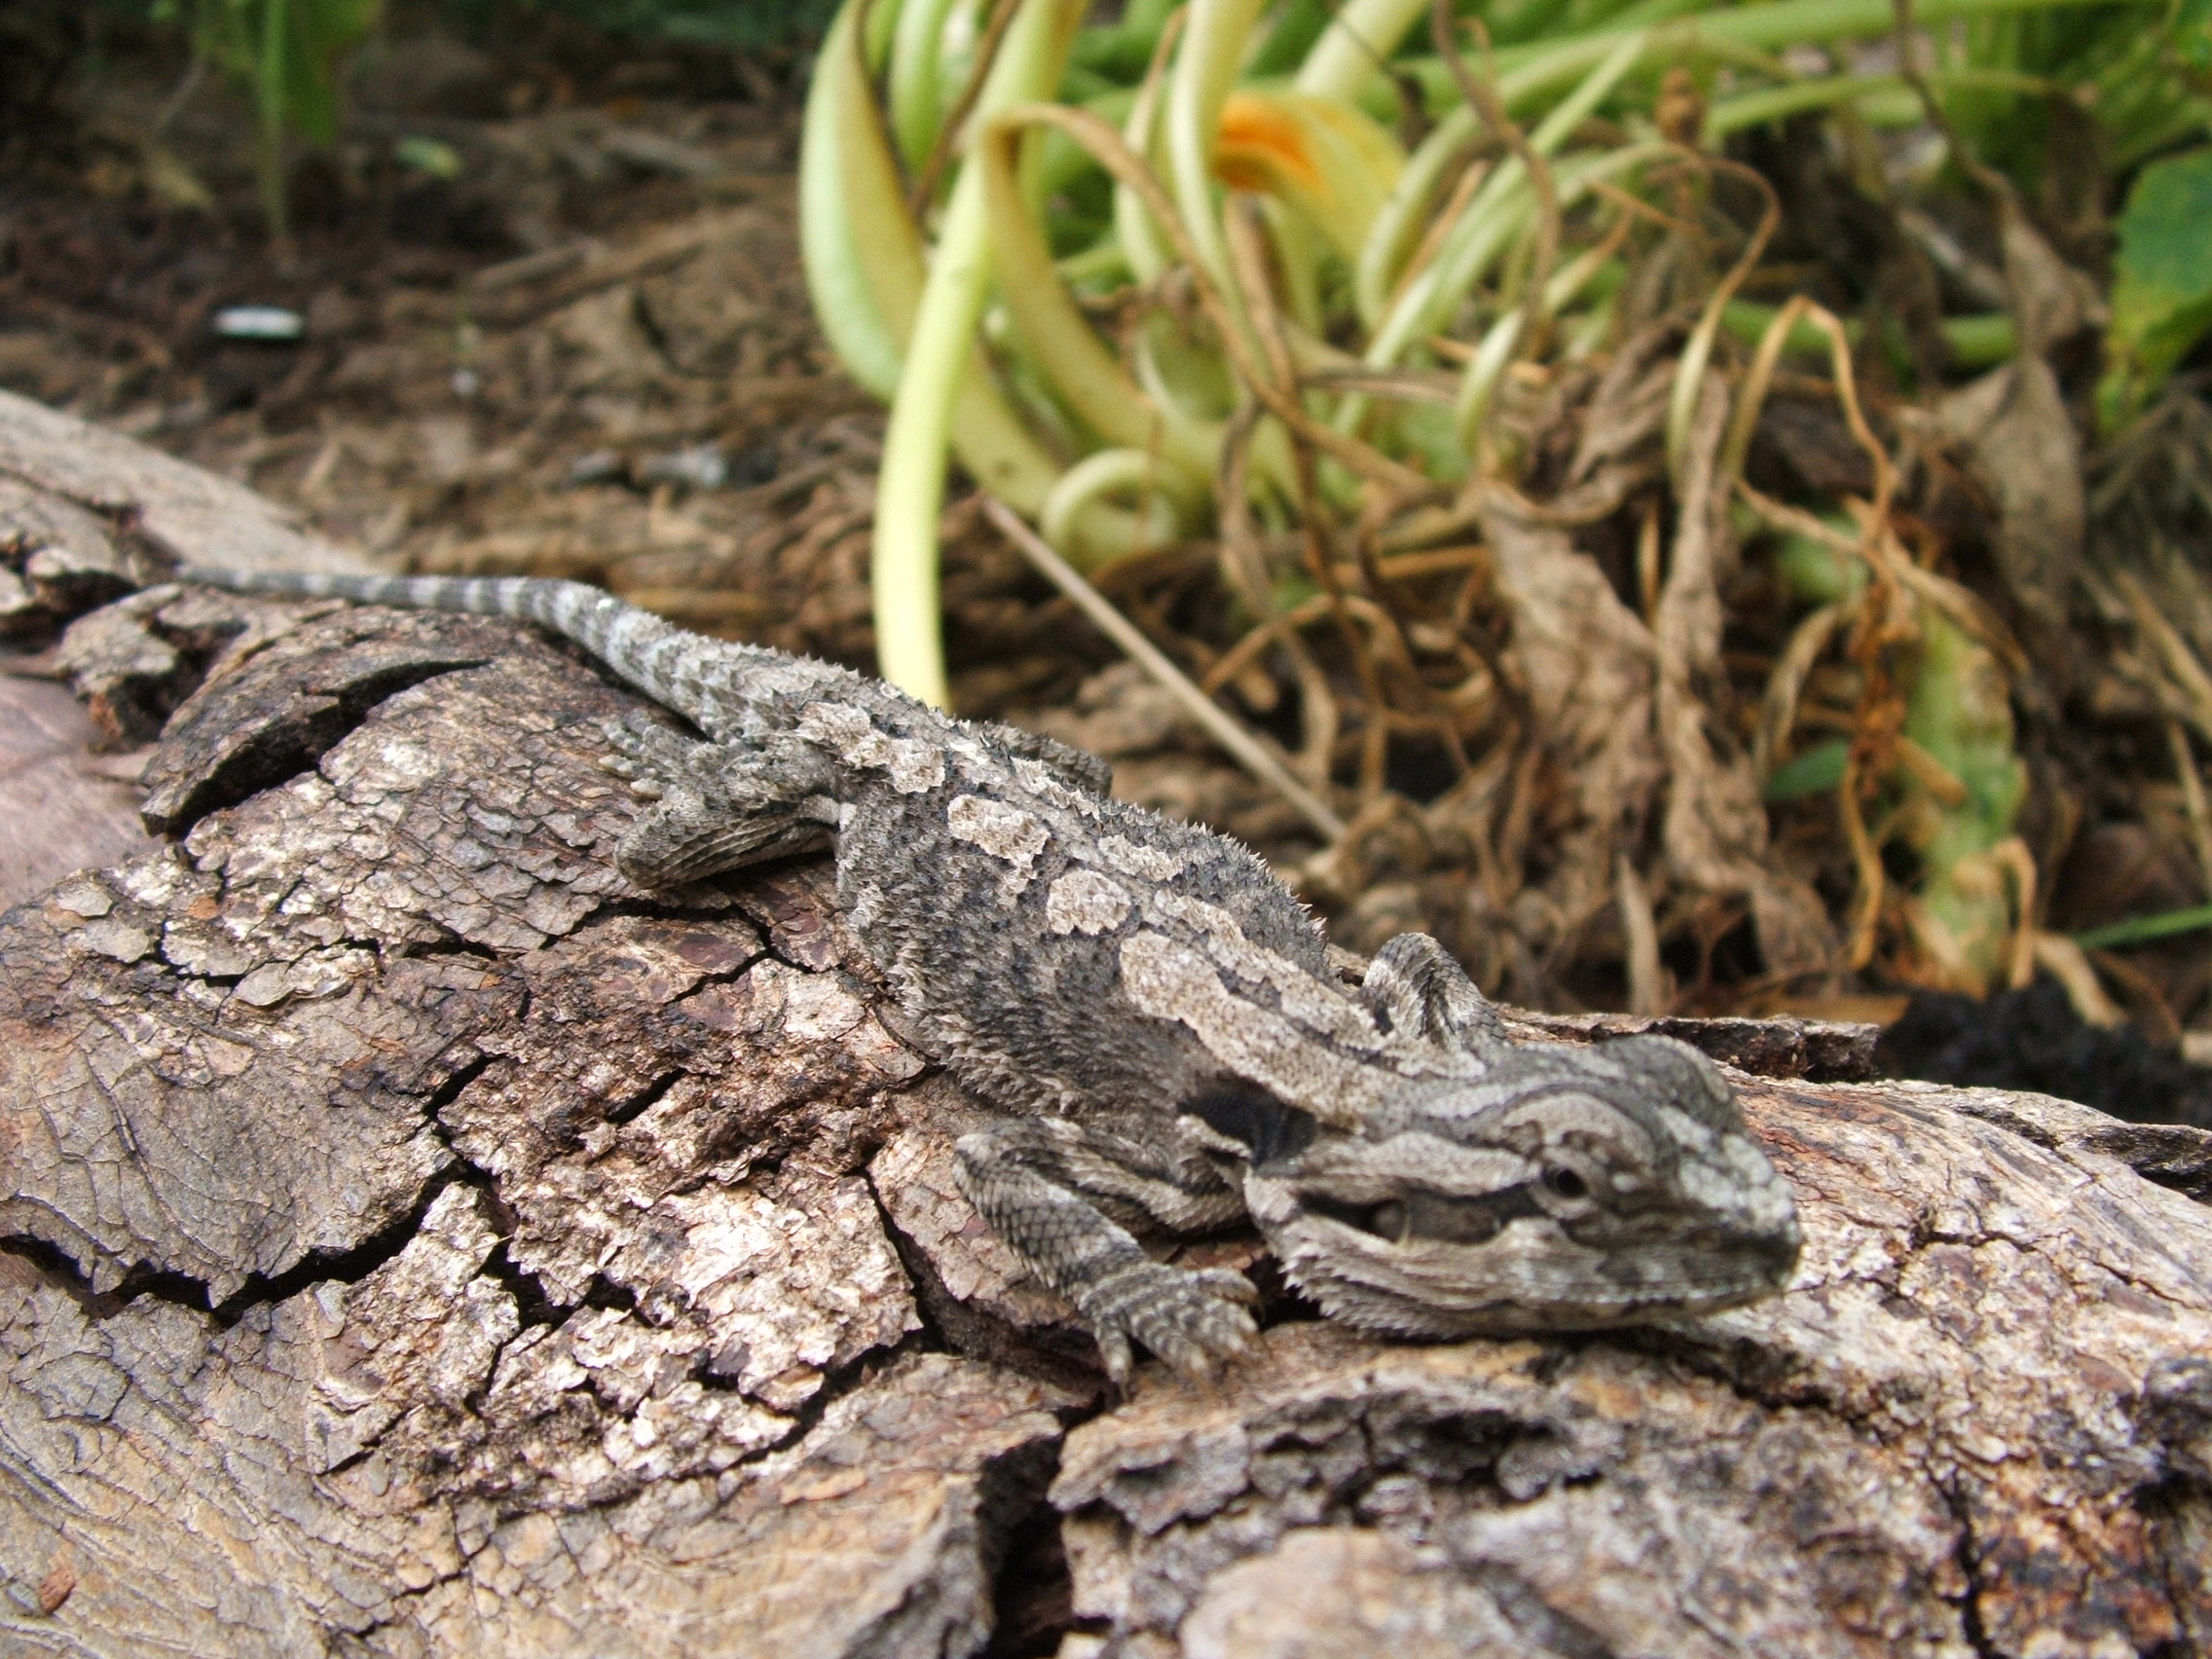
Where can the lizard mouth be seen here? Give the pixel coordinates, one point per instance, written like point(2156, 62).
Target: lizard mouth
point(1518, 1272)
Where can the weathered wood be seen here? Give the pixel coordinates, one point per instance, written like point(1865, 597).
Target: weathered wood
point(423, 1242)
point(62, 806)
point(86, 514)
point(181, 512)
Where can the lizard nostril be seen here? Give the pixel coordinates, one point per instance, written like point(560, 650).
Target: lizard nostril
point(1565, 1183)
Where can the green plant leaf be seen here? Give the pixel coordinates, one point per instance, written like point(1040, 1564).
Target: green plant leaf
point(1817, 771)
point(2161, 301)
point(431, 156)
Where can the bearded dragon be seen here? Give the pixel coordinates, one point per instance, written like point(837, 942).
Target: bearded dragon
point(1155, 1018)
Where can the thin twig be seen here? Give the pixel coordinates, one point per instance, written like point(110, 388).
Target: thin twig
point(1786, 685)
point(1484, 100)
point(2011, 856)
point(1998, 187)
point(948, 131)
point(1866, 902)
point(1248, 650)
point(1689, 373)
point(1854, 417)
point(2192, 798)
point(173, 105)
point(1245, 748)
point(1750, 399)
point(1472, 178)
point(1640, 930)
point(1248, 274)
point(1367, 533)
point(2185, 674)
point(1246, 567)
point(2066, 962)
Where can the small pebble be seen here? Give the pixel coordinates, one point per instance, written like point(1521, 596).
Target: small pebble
point(260, 323)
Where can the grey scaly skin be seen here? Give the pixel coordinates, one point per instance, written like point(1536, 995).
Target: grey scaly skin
point(1156, 1016)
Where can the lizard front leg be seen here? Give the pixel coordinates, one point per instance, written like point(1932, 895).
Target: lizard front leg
point(719, 806)
point(1044, 1185)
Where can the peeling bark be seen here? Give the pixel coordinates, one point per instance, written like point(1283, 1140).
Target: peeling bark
point(422, 1243)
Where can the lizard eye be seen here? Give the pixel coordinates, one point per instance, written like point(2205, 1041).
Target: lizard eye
point(1564, 1183)
point(1388, 1221)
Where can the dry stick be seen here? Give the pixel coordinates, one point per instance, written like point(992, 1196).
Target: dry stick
point(1785, 686)
point(1635, 206)
point(2012, 855)
point(2192, 798)
point(1867, 860)
point(2153, 1015)
point(1931, 774)
point(1751, 399)
point(1485, 101)
point(1241, 744)
point(2185, 672)
point(1960, 604)
point(1891, 570)
point(1144, 111)
point(1242, 654)
point(948, 131)
point(1648, 573)
point(1319, 718)
point(1689, 372)
point(2069, 963)
point(1646, 978)
point(1998, 187)
point(1414, 123)
point(1875, 606)
point(1847, 395)
point(1247, 269)
point(1366, 535)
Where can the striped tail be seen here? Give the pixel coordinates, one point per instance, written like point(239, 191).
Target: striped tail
point(682, 671)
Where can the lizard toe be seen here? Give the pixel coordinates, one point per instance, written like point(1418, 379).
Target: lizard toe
point(1189, 1319)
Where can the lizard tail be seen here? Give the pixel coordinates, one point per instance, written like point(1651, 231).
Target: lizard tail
point(638, 646)
point(716, 685)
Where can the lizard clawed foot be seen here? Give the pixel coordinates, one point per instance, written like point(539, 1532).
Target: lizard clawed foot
point(1192, 1319)
point(642, 744)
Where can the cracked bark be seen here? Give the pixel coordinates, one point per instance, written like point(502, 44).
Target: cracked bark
point(422, 1243)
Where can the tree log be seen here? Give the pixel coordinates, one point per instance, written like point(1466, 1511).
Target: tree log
point(86, 514)
point(422, 1243)
point(56, 467)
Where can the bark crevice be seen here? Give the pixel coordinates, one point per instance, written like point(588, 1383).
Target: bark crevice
point(588, 1274)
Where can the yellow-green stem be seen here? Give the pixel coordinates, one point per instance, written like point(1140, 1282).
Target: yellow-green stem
point(837, 273)
point(1352, 48)
point(910, 487)
point(269, 88)
point(1213, 50)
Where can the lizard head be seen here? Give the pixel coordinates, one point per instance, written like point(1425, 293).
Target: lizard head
point(1566, 1188)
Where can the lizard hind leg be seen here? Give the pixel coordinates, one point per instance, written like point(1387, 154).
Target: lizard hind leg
point(716, 807)
point(1415, 985)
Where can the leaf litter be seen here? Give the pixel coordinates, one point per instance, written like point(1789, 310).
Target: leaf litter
point(1804, 689)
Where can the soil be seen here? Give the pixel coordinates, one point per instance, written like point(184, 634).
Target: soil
point(588, 353)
